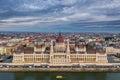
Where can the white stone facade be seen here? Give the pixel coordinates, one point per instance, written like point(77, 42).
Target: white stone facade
point(57, 57)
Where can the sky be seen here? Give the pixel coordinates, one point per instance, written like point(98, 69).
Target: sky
point(60, 15)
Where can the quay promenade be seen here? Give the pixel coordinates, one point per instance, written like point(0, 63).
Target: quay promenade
point(60, 69)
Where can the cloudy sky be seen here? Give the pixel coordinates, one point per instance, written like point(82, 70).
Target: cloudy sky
point(60, 15)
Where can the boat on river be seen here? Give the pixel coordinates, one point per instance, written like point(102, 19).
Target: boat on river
point(59, 77)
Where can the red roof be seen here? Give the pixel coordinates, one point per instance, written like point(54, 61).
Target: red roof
point(28, 50)
point(47, 40)
point(66, 42)
point(60, 40)
point(81, 52)
point(91, 52)
point(81, 46)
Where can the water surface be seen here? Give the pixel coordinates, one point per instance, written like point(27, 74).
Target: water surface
point(52, 76)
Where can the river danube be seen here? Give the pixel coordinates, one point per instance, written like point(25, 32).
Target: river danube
point(57, 75)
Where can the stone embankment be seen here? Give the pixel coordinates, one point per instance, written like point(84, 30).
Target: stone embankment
point(61, 69)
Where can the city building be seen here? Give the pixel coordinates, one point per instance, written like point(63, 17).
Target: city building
point(59, 51)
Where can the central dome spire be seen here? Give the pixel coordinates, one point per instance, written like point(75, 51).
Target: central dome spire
point(60, 39)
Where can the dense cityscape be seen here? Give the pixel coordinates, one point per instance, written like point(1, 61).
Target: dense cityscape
point(58, 49)
point(59, 39)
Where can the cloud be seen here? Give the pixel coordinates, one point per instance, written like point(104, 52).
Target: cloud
point(14, 13)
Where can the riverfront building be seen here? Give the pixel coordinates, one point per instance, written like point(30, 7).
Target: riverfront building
point(60, 51)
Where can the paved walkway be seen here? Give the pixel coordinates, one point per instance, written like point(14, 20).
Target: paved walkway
point(62, 69)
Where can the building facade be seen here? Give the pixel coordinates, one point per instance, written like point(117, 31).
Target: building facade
point(59, 52)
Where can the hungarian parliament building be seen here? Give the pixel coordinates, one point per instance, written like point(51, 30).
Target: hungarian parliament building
point(59, 51)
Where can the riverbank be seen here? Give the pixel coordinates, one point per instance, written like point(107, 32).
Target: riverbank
point(60, 69)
